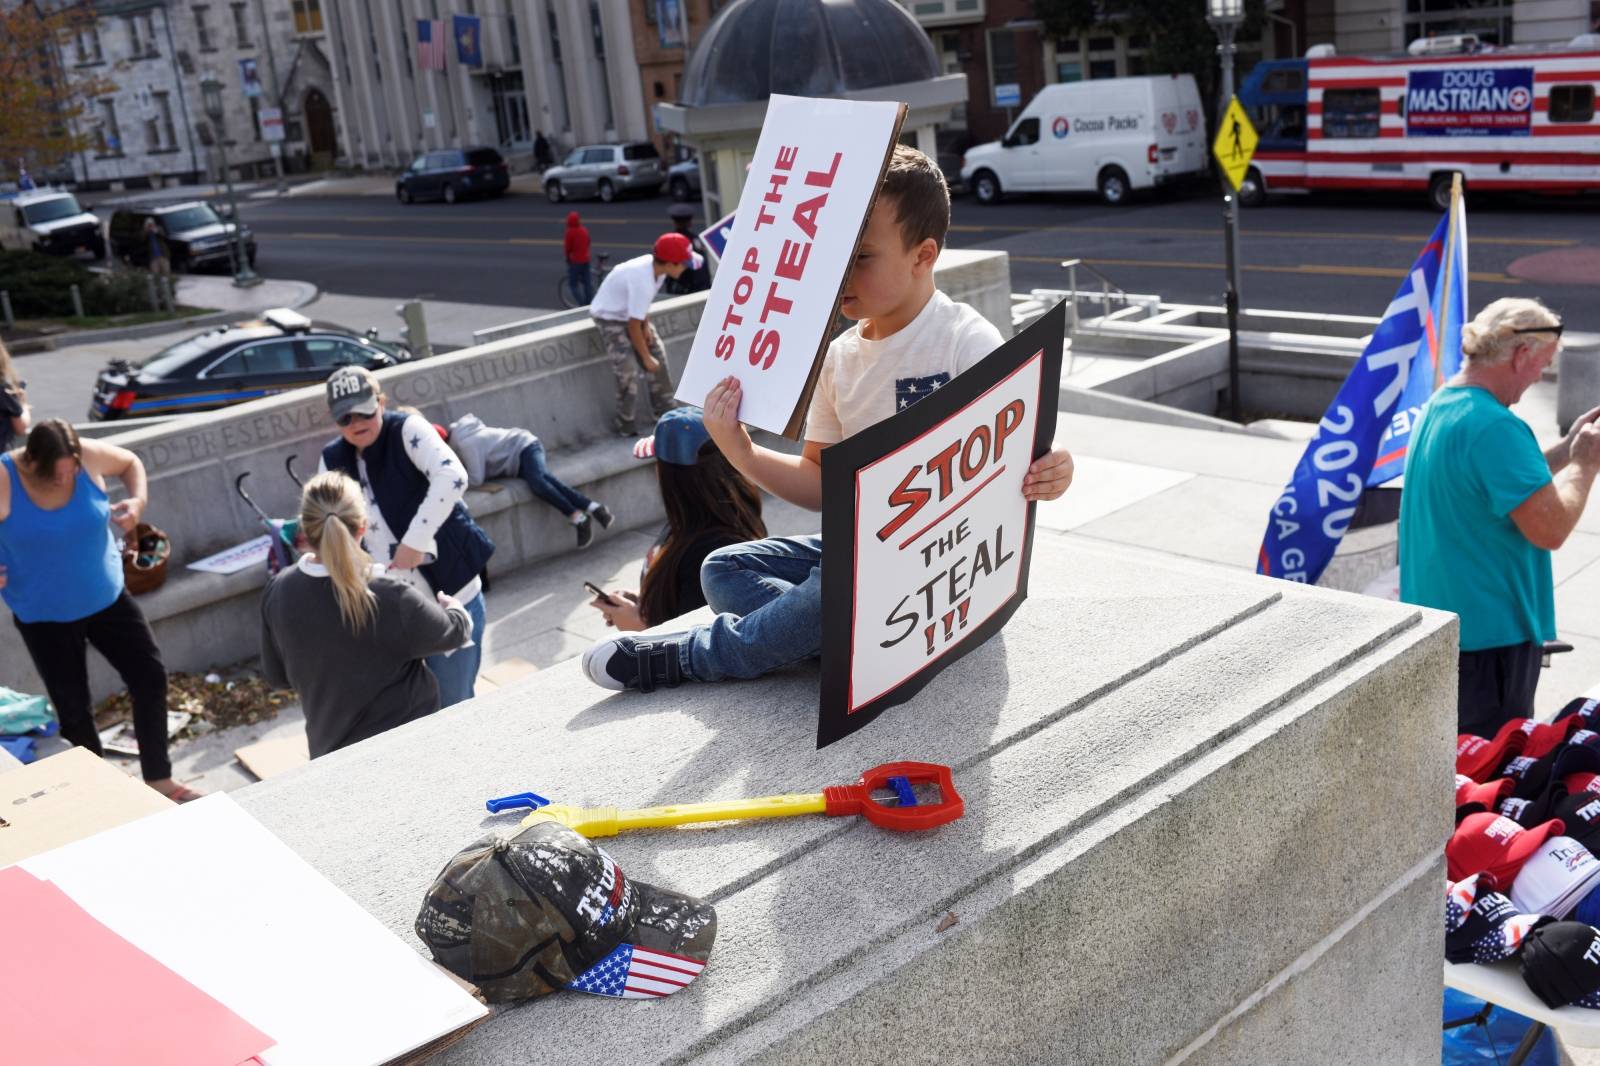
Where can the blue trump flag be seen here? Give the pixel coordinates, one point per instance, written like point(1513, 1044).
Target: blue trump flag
point(1362, 438)
point(1442, 346)
point(468, 33)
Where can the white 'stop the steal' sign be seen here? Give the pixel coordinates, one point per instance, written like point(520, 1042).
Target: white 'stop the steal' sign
point(767, 320)
point(940, 525)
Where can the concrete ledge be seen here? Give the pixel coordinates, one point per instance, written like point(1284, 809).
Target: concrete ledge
point(1171, 795)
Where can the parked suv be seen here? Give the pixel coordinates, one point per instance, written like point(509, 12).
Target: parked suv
point(48, 221)
point(196, 236)
point(606, 171)
point(453, 174)
point(219, 368)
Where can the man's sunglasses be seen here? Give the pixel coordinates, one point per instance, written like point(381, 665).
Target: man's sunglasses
point(1556, 329)
point(345, 420)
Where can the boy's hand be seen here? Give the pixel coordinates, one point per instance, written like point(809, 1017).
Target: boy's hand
point(722, 420)
point(1049, 476)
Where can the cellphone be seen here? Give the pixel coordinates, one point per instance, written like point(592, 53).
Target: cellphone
point(600, 594)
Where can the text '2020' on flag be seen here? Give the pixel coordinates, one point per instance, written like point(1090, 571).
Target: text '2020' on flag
point(1363, 437)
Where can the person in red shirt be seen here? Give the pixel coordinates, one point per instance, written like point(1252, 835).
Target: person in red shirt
point(577, 249)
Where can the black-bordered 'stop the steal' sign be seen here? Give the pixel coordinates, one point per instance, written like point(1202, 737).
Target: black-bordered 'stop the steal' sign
point(926, 535)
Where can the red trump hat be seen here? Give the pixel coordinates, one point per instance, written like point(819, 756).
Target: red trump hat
point(1495, 845)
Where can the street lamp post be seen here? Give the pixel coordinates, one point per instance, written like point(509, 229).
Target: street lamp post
point(211, 97)
point(1225, 17)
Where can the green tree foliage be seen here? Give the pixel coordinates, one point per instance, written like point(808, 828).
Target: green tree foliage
point(39, 105)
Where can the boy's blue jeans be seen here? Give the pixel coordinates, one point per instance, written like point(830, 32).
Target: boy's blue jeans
point(768, 599)
point(545, 485)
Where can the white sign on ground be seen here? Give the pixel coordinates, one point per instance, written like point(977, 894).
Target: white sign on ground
point(772, 306)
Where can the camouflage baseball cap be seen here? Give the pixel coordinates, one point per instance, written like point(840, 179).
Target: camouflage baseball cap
point(522, 914)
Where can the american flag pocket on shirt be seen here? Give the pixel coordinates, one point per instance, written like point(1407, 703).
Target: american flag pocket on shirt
point(908, 391)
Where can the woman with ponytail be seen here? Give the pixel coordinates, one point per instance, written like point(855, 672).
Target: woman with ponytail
point(349, 639)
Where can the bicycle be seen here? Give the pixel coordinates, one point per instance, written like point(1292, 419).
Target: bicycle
point(597, 273)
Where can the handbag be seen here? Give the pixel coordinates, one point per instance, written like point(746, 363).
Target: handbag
point(144, 559)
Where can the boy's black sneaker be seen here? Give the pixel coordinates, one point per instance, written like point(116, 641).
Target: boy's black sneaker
point(585, 532)
point(621, 663)
point(603, 515)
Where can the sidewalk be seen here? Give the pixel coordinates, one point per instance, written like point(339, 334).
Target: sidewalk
point(374, 185)
point(450, 325)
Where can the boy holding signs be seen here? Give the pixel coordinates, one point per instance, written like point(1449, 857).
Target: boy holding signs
point(909, 339)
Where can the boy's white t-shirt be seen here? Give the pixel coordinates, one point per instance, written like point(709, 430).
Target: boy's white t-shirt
point(863, 381)
point(627, 291)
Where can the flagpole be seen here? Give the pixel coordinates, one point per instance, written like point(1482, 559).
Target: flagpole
point(1449, 262)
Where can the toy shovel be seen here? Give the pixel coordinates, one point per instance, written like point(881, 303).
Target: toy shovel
point(887, 796)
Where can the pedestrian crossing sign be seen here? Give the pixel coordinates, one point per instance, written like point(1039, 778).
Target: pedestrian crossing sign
point(1235, 143)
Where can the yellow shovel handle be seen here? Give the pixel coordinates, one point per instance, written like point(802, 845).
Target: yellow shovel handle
point(608, 821)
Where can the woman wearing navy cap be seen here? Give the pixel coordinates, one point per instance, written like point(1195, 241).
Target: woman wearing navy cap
point(709, 505)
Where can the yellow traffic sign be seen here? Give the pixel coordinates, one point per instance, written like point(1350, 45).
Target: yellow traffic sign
point(1235, 143)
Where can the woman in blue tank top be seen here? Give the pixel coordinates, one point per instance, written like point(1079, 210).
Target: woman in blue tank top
point(61, 575)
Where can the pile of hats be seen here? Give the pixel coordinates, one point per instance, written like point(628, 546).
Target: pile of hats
point(1522, 859)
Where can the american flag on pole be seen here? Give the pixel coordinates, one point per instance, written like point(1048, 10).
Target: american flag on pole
point(632, 972)
point(430, 44)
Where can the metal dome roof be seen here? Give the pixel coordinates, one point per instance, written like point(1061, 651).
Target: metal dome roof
point(756, 48)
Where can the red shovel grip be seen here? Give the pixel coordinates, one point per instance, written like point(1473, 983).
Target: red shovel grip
point(857, 799)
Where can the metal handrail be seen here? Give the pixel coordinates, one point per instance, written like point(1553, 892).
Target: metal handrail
point(1106, 285)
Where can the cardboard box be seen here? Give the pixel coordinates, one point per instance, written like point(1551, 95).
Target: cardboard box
point(67, 797)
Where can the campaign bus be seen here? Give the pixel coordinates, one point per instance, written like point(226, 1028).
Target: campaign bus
point(1505, 119)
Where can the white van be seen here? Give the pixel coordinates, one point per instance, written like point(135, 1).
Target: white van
point(1109, 135)
point(49, 220)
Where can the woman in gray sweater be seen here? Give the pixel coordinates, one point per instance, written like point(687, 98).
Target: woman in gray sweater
point(347, 638)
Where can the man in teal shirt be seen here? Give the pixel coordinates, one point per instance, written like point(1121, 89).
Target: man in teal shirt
point(1483, 508)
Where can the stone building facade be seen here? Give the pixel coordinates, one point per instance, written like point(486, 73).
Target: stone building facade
point(151, 129)
point(566, 68)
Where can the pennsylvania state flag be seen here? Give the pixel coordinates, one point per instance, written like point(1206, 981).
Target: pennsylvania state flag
point(468, 32)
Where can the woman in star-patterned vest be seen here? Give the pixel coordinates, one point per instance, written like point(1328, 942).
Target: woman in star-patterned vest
point(417, 525)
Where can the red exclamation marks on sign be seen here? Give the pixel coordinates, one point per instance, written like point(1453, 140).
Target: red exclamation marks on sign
point(929, 634)
point(964, 606)
point(949, 623)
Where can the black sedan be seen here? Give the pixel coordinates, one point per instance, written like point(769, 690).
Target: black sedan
point(453, 174)
point(282, 350)
point(196, 235)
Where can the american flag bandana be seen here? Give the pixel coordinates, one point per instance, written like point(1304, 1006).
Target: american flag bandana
point(633, 972)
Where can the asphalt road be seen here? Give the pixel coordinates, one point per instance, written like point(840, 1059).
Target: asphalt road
point(1334, 254)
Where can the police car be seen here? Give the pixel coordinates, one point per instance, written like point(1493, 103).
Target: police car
point(282, 350)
